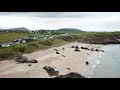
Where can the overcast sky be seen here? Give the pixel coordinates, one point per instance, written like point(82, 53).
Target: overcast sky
point(87, 21)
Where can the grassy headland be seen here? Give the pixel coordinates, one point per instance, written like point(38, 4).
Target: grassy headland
point(85, 37)
point(14, 51)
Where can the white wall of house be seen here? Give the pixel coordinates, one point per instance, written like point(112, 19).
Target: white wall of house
point(17, 42)
point(5, 45)
point(23, 41)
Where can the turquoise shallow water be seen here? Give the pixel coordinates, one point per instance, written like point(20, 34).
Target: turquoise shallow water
point(108, 63)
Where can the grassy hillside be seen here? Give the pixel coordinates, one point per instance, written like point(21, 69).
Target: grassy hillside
point(10, 36)
point(93, 37)
point(85, 37)
point(98, 37)
point(14, 51)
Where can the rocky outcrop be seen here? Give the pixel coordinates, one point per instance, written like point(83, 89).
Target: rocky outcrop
point(63, 55)
point(32, 61)
point(92, 49)
point(71, 75)
point(87, 62)
point(72, 47)
point(23, 59)
point(51, 72)
point(63, 49)
point(57, 52)
point(77, 48)
point(84, 48)
point(98, 50)
point(68, 68)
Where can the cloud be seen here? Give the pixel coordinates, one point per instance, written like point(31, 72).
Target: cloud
point(89, 21)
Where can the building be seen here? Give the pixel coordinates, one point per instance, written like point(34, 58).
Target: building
point(23, 41)
point(4, 45)
point(18, 41)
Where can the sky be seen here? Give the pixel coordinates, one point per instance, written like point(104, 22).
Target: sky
point(86, 21)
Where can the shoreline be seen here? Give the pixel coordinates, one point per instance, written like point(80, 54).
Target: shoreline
point(73, 60)
point(94, 62)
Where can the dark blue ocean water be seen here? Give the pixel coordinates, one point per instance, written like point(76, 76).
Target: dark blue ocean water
point(108, 63)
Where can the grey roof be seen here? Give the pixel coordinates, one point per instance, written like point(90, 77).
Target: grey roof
point(4, 43)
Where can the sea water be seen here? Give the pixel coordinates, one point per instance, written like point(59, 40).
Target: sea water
point(107, 63)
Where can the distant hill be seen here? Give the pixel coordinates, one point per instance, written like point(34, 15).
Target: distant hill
point(15, 29)
point(69, 29)
point(20, 28)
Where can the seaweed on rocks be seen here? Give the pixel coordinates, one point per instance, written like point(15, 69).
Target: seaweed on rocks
point(63, 55)
point(29, 65)
point(57, 53)
point(68, 68)
point(72, 47)
point(71, 75)
point(32, 61)
point(87, 62)
point(76, 49)
point(63, 49)
point(97, 50)
point(21, 59)
point(84, 48)
point(51, 72)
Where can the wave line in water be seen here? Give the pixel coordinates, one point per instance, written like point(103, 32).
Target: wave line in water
point(89, 77)
point(94, 66)
point(98, 61)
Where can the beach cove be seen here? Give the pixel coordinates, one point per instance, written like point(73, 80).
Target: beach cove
point(75, 61)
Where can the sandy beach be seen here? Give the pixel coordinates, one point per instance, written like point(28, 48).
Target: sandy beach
point(73, 60)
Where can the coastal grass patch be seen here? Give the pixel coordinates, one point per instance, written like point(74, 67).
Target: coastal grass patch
point(8, 53)
point(35, 46)
point(29, 47)
point(14, 51)
point(58, 42)
point(46, 42)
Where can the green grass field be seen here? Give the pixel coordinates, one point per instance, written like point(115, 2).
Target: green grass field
point(11, 36)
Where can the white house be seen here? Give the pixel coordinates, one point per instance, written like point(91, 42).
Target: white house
point(23, 41)
point(17, 42)
point(4, 44)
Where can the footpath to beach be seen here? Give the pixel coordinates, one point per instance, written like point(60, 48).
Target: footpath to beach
point(67, 61)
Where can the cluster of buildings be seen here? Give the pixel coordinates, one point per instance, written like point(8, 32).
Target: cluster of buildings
point(28, 39)
point(18, 41)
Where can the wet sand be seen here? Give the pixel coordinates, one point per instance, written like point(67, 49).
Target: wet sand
point(73, 60)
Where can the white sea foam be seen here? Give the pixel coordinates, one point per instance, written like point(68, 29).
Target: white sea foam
point(94, 66)
point(98, 61)
point(89, 77)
